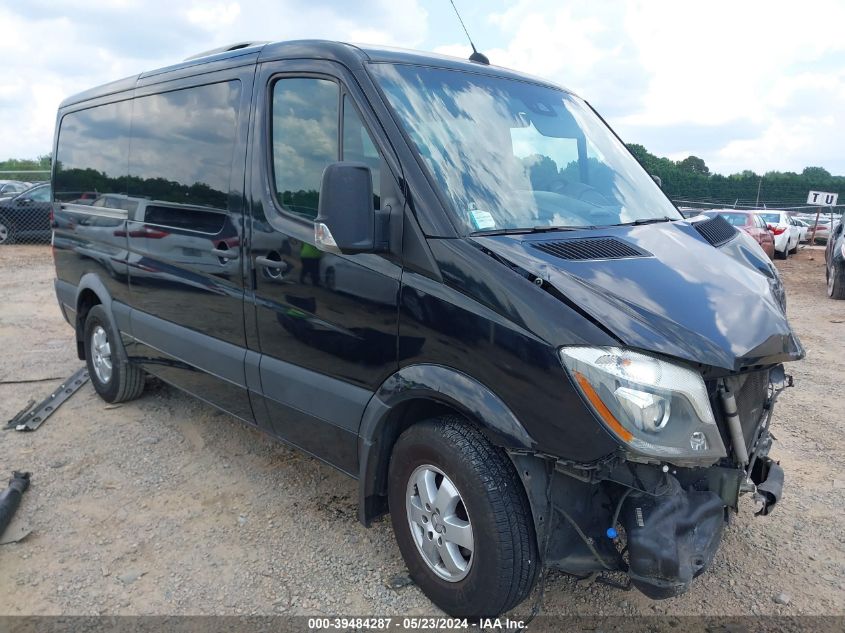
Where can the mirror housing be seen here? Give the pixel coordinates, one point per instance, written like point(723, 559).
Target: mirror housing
point(658, 180)
point(347, 221)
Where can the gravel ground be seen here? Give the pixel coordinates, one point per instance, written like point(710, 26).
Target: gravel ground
point(167, 506)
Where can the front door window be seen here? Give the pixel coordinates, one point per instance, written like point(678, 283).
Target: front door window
point(305, 140)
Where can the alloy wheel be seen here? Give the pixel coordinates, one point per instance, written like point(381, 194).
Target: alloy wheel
point(439, 523)
point(101, 354)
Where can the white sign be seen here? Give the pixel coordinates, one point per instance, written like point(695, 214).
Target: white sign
point(822, 198)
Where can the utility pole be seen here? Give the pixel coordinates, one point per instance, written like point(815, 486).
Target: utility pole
point(759, 182)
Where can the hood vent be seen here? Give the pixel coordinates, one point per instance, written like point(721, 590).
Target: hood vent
point(590, 248)
point(716, 230)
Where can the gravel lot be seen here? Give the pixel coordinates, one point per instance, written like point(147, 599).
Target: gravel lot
point(167, 506)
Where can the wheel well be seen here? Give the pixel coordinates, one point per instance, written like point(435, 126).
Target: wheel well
point(400, 418)
point(87, 300)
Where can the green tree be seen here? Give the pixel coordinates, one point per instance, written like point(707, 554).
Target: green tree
point(695, 165)
point(26, 169)
point(816, 173)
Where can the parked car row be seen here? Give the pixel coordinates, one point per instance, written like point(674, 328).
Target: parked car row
point(752, 224)
point(26, 216)
point(823, 226)
point(775, 231)
point(10, 188)
point(786, 231)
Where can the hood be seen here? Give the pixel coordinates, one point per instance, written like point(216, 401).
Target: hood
point(682, 297)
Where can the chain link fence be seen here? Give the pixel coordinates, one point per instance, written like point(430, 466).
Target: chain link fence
point(25, 200)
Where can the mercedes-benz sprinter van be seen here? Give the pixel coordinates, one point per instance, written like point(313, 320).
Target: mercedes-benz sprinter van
point(450, 281)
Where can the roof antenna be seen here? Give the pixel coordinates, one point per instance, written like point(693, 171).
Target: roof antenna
point(480, 58)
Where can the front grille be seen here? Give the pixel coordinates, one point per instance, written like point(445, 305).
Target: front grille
point(590, 248)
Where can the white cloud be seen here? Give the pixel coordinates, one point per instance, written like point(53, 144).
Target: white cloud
point(214, 16)
point(751, 84)
point(740, 84)
point(52, 49)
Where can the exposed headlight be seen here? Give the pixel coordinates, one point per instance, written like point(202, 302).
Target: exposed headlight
point(659, 410)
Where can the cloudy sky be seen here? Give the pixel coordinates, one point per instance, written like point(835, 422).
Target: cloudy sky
point(744, 84)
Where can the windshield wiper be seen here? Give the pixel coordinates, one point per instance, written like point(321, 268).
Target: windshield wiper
point(665, 218)
point(532, 229)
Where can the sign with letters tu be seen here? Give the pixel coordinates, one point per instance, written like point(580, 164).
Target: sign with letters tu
point(822, 198)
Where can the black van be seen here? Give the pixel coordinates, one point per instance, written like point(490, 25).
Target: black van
point(834, 257)
point(450, 281)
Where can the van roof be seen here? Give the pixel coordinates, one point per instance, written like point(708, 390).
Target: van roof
point(350, 55)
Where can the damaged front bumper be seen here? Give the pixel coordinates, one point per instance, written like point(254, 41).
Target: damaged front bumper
point(659, 524)
point(671, 539)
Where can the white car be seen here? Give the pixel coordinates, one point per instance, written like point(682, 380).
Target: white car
point(803, 228)
point(787, 233)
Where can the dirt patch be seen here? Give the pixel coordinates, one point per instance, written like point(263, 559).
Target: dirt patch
point(166, 506)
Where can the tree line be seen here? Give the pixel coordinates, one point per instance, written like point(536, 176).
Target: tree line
point(691, 179)
point(26, 165)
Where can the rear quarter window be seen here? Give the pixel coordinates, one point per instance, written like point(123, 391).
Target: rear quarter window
point(92, 151)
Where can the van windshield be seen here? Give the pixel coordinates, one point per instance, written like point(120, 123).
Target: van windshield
point(508, 154)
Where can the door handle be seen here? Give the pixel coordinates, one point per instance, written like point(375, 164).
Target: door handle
point(268, 263)
point(225, 253)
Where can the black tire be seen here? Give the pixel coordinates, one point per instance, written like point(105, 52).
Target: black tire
point(7, 232)
point(126, 381)
point(835, 283)
point(795, 250)
point(505, 561)
point(781, 255)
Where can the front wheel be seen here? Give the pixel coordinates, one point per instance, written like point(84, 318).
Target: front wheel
point(461, 519)
point(114, 378)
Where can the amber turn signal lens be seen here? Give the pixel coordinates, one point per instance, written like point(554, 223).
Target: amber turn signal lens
point(601, 408)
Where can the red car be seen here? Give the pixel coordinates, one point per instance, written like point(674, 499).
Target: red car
point(752, 224)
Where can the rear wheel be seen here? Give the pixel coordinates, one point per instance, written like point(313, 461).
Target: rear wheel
point(835, 285)
point(461, 519)
point(781, 254)
point(114, 378)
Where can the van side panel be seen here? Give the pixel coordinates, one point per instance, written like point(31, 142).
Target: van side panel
point(185, 234)
point(89, 178)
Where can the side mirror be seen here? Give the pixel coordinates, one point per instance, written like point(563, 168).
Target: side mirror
point(347, 221)
point(658, 180)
